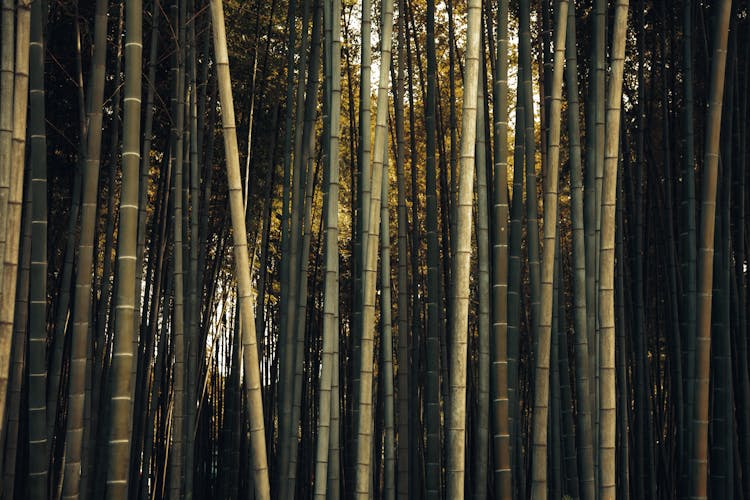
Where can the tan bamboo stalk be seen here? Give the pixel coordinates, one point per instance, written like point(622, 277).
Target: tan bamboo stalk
point(542, 370)
point(18, 355)
point(12, 231)
point(606, 302)
point(459, 325)
point(6, 126)
point(370, 261)
point(259, 461)
point(699, 459)
point(332, 15)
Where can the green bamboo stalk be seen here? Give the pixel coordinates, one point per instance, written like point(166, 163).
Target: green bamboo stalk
point(689, 243)
point(37, 375)
point(584, 441)
point(287, 426)
point(514, 284)
point(123, 356)
point(82, 311)
point(327, 398)
point(195, 291)
point(334, 446)
point(103, 323)
point(481, 444)
point(532, 209)
point(177, 139)
point(404, 370)
point(434, 304)
point(386, 347)
point(500, 324)
point(307, 162)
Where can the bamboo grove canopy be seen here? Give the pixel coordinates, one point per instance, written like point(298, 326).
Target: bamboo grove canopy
point(378, 248)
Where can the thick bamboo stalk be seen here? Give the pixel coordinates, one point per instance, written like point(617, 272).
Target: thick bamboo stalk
point(606, 302)
point(327, 398)
point(245, 292)
point(82, 311)
point(369, 259)
point(699, 458)
point(539, 472)
point(12, 231)
point(121, 373)
point(456, 418)
point(18, 357)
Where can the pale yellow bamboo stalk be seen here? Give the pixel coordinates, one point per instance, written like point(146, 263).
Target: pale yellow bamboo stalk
point(251, 369)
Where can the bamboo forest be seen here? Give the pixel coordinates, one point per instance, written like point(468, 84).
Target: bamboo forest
point(425, 249)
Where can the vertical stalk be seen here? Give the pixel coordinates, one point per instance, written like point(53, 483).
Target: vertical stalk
point(539, 487)
point(607, 387)
point(584, 443)
point(38, 439)
point(459, 321)
point(699, 458)
point(123, 355)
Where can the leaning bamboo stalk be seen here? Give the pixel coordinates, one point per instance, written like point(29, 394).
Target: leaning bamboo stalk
point(250, 352)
